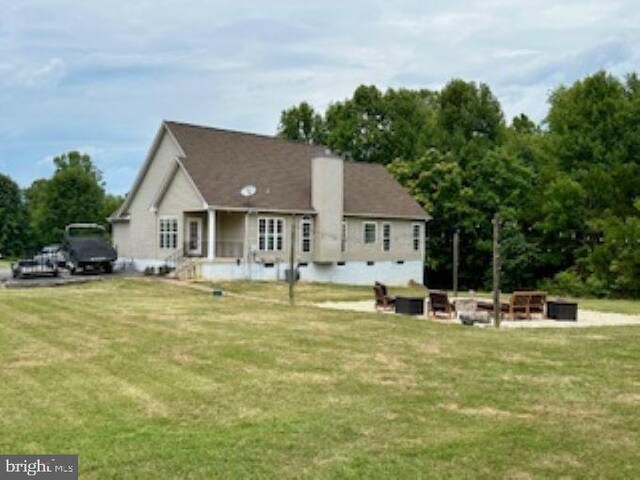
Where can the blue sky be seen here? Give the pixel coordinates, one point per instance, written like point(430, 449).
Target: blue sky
point(100, 76)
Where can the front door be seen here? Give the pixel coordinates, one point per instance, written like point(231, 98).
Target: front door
point(194, 236)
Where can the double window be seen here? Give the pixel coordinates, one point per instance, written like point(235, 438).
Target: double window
point(168, 232)
point(417, 236)
point(305, 235)
point(370, 232)
point(386, 237)
point(270, 234)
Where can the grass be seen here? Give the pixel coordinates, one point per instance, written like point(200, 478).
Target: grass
point(5, 264)
point(306, 293)
point(141, 377)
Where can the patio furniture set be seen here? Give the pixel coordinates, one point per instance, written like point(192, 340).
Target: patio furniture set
point(522, 305)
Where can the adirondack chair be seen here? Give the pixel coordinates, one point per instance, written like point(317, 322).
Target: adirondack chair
point(382, 298)
point(439, 303)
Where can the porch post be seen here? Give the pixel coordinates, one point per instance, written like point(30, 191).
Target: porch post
point(211, 228)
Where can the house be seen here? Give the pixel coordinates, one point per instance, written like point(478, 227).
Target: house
point(224, 203)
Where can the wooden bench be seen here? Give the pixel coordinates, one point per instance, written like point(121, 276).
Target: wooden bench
point(521, 305)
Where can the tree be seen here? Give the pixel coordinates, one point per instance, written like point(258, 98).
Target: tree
point(359, 127)
point(615, 263)
point(470, 119)
point(524, 125)
point(302, 124)
point(594, 126)
point(12, 218)
point(109, 205)
point(74, 193)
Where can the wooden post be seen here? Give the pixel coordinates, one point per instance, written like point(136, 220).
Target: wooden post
point(292, 260)
point(496, 270)
point(456, 261)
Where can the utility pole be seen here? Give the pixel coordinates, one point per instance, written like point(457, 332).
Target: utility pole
point(292, 260)
point(496, 270)
point(456, 261)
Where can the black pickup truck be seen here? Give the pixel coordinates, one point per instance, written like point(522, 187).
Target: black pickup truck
point(87, 249)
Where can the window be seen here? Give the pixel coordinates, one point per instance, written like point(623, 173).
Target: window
point(270, 231)
point(369, 232)
point(343, 244)
point(305, 235)
point(168, 232)
point(386, 237)
point(417, 236)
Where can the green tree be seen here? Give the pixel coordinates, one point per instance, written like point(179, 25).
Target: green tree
point(470, 119)
point(109, 205)
point(36, 207)
point(302, 124)
point(74, 193)
point(12, 218)
point(615, 263)
point(359, 127)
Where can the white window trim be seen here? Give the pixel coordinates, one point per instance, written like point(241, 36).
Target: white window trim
point(274, 234)
point(385, 224)
point(302, 223)
point(375, 233)
point(176, 232)
point(413, 237)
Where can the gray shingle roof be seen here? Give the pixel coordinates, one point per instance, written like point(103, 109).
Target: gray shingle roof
point(221, 162)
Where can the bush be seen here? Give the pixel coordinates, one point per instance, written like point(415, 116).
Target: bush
point(150, 271)
point(567, 282)
point(164, 269)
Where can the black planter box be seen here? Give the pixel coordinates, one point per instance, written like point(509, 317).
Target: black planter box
point(410, 305)
point(560, 310)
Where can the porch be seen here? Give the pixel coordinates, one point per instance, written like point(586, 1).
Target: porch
point(214, 234)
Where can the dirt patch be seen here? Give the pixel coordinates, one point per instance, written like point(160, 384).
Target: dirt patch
point(484, 411)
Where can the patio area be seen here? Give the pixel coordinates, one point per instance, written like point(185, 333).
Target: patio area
point(586, 318)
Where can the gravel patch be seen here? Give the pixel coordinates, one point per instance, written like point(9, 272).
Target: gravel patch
point(586, 318)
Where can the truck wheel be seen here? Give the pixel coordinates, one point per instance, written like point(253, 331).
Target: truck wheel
point(107, 267)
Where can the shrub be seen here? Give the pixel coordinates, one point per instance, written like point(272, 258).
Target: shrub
point(567, 282)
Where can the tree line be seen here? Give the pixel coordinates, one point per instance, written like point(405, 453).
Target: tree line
point(568, 189)
point(37, 215)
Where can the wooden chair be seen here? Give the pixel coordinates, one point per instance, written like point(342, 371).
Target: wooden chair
point(439, 303)
point(382, 298)
point(521, 305)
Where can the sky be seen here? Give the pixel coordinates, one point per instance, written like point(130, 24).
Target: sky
point(101, 76)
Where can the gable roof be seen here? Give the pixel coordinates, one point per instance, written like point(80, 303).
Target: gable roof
point(221, 162)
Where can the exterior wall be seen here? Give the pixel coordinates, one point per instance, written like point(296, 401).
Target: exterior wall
point(142, 240)
point(356, 249)
point(281, 256)
point(139, 239)
point(353, 273)
point(120, 236)
point(401, 241)
point(179, 197)
point(327, 198)
point(230, 234)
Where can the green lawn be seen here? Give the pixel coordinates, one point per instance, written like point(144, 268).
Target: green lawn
point(306, 293)
point(150, 380)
